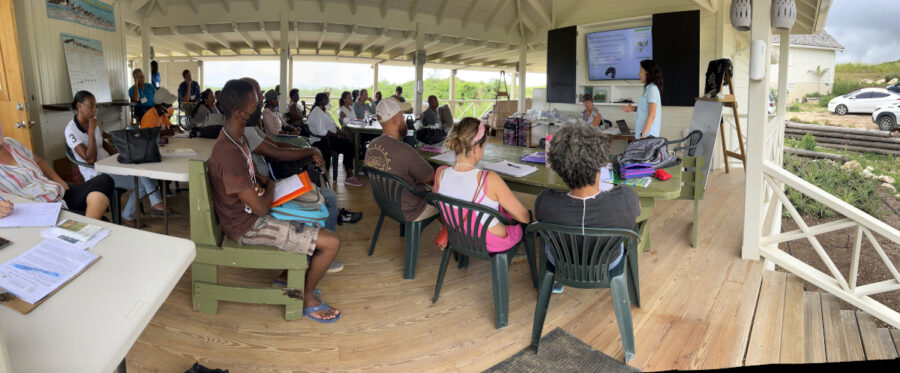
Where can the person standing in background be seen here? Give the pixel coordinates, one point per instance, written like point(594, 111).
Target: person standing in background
point(399, 94)
point(649, 109)
point(155, 79)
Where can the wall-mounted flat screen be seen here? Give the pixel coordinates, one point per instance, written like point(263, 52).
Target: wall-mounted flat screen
point(616, 54)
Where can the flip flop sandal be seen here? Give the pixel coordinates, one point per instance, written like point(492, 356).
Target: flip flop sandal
point(308, 313)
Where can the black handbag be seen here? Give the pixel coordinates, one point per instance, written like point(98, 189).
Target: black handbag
point(137, 146)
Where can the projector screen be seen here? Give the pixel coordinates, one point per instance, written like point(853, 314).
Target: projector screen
point(616, 54)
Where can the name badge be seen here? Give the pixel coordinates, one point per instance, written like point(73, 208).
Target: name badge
point(143, 100)
point(193, 97)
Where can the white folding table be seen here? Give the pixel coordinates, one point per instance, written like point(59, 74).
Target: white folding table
point(90, 324)
point(170, 169)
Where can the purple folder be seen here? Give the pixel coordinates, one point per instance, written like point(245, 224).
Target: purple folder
point(539, 157)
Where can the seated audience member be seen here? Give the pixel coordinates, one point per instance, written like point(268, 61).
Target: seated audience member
point(355, 95)
point(430, 116)
point(363, 104)
point(159, 116)
point(207, 106)
point(295, 111)
point(377, 98)
point(399, 95)
point(142, 94)
point(188, 90)
point(346, 113)
point(28, 176)
point(321, 125)
point(218, 105)
point(286, 160)
point(388, 153)
point(466, 182)
point(84, 138)
point(242, 197)
point(577, 153)
point(274, 125)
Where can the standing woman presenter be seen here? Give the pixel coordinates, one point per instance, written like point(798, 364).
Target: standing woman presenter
point(649, 108)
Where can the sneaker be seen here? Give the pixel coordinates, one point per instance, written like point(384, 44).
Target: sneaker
point(349, 217)
point(558, 288)
point(335, 267)
point(352, 181)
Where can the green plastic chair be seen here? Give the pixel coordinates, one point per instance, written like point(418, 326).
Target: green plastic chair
point(115, 212)
point(582, 257)
point(387, 189)
point(693, 181)
point(214, 251)
point(467, 238)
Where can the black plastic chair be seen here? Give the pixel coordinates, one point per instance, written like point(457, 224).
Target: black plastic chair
point(582, 257)
point(689, 143)
point(115, 212)
point(387, 190)
point(467, 227)
point(331, 159)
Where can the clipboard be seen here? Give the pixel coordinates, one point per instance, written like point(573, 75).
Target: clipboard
point(23, 307)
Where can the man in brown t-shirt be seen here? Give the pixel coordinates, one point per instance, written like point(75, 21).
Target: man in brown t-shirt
point(387, 153)
point(242, 198)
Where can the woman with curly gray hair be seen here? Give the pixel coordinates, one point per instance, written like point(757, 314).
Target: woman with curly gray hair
point(577, 154)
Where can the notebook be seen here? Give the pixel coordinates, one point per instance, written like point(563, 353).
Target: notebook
point(510, 168)
point(290, 187)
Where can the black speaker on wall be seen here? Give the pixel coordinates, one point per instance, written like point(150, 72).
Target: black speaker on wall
point(561, 64)
point(676, 50)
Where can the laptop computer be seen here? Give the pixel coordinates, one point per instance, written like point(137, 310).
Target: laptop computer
point(623, 128)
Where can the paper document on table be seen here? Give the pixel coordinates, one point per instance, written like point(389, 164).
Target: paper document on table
point(448, 157)
point(290, 187)
point(510, 168)
point(32, 215)
point(177, 152)
point(81, 245)
point(182, 135)
point(42, 269)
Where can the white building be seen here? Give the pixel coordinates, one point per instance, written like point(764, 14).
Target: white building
point(809, 53)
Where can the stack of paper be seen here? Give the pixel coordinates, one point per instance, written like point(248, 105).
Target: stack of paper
point(177, 152)
point(510, 168)
point(32, 215)
point(73, 231)
point(42, 269)
point(291, 187)
point(78, 244)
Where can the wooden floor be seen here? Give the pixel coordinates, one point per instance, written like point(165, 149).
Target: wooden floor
point(793, 326)
point(698, 305)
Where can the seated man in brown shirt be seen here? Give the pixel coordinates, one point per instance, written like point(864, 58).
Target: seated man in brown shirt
point(241, 197)
point(389, 154)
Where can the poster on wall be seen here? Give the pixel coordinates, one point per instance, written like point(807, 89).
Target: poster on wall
point(87, 67)
point(93, 13)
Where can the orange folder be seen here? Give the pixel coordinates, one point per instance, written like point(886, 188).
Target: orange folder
point(289, 188)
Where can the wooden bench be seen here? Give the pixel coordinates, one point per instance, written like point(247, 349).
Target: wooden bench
point(215, 251)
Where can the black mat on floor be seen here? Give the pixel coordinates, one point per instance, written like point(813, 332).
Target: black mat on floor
point(561, 352)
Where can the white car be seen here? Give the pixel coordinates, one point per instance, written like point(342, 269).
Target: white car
point(862, 101)
point(886, 117)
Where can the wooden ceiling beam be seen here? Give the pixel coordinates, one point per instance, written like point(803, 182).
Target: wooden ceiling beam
point(467, 16)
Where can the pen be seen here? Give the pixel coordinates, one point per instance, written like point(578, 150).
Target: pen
point(513, 165)
point(27, 268)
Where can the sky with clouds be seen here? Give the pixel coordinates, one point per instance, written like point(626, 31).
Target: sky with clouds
point(869, 30)
point(338, 75)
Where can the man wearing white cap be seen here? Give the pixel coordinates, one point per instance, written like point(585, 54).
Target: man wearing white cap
point(159, 115)
point(389, 154)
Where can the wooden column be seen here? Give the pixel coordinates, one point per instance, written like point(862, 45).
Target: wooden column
point(757, 117)
point(452, 102)
point(145, 48)
point(285, 61)
point(420, 66)
point(523, 69)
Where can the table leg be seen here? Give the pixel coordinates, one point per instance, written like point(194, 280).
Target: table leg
point(121, 367)
point(355, 153)
point(137, 203)
point(165, 208)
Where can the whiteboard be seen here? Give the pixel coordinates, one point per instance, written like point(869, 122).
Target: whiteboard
point(706, 118)
point(87, 67)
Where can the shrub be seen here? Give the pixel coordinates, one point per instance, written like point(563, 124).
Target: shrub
point(794, 107)
point(808, 142)
point(814, 94)
point(823, 102)
point(850, 187)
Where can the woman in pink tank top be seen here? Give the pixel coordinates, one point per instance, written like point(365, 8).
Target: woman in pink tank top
point(466, 182)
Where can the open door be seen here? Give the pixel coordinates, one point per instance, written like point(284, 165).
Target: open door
point(13, 110)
